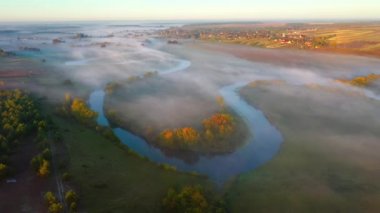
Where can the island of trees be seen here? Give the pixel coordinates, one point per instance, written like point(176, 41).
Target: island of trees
point(219, 133)
point(361, 81)
point(222, 132)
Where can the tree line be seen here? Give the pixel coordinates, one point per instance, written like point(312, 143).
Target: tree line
point(20, 117)
point(192, 199)
point(215, 132)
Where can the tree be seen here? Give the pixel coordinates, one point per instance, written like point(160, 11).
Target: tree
point(66, 176)
point(73, 206)
point(71, 196)
point(190, 199)
point(50, 198)
point(44, 171)
point(53, 205)
point(67, 99)
point(3, 170)
point(46, 154)
point(82, 112)
point(20, 129)
point(220, 101)
point(55, 208)
point(219, 124)
point(20, 117)
point(186, 136)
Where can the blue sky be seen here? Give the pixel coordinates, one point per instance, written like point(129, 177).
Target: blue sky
point(50, 10)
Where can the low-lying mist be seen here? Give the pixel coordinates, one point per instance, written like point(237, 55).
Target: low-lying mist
point(94, 55)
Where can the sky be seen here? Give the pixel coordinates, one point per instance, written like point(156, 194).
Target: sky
point(61, 10)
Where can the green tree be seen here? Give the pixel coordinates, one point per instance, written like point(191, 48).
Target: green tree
point(189, 200)
point(50, 198)
point(73, 206)
point(71, 196)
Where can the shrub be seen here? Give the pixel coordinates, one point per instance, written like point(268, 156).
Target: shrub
point(73, 206)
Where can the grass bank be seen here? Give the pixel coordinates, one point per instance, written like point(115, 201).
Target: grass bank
point(109, 179)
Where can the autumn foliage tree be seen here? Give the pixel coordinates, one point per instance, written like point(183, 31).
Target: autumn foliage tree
point(186, 136)
point(216, 129)
point(81, 110)
point(44, 169)
point(41, 163)
point(53, 205)
point(78, 108)
point(361, 81)
point(218, 125)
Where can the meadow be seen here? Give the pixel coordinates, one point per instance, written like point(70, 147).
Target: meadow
point(108, 178)
point(328, 161)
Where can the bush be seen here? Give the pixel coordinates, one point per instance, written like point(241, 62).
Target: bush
point(66, 176)
point(73, 206)
point(36, 162)
point(168, 167)
point(46, 154)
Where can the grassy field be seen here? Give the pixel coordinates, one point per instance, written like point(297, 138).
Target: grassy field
point(329, 161)
point(352, 38)
point(109, 179)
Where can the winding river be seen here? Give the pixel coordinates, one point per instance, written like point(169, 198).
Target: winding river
point(262, 146)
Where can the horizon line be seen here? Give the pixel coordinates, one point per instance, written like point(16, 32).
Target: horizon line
point(216, 20)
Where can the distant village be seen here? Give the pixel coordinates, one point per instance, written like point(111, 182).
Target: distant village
point(298, 38)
